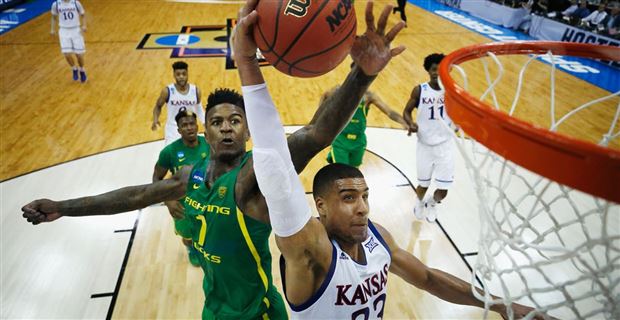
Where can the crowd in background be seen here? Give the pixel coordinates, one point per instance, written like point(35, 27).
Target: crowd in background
point(595, 16)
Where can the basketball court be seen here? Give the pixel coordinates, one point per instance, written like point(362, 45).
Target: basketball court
point(61, 139)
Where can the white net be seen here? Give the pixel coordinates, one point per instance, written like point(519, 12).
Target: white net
point(543, 244)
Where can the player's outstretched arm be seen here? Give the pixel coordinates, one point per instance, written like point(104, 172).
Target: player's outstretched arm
point(413, 102)
point(298, 236)
point(383, 107)
point(371, 52)
point(441, 284)
point(163, 97)
point(117, 201)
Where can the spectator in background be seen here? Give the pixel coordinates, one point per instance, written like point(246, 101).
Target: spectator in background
point(580, 13)
point(573, 6)
point(556, 7)
point(611, 23)
point(540, 7)
point(595, 17)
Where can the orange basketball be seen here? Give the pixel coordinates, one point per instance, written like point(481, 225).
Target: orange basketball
point(305, 38)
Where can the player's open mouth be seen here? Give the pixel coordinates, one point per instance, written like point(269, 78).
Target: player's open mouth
point(228, 141)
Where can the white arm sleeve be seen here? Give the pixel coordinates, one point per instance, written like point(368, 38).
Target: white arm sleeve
point(277, 179)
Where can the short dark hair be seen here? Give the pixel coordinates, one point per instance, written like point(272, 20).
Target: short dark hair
point(432, 59)
point(179, 65)
point(224, 95)
point(183, 112)
point(330, 173)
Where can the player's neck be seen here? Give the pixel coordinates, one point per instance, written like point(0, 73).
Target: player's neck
point(354, 250)
point(182, 88)
point(190, 144)
point(434, 85)
point(218, 167)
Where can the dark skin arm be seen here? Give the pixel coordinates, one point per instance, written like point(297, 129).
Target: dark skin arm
point(174, 207)
point(117, 201)
point(371, 52)
point(438, 283)
point(163, 97)
point(413, 102)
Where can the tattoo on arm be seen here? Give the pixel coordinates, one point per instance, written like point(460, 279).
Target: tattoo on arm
point(331, 116)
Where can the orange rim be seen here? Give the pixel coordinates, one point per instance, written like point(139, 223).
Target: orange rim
point(576, 163)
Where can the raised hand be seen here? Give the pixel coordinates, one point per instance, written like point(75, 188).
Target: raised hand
point(371, 51)
point(42, 210)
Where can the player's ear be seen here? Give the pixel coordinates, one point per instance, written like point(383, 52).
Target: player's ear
point(321, 206)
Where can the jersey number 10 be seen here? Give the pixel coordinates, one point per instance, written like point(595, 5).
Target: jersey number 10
point(67, 15)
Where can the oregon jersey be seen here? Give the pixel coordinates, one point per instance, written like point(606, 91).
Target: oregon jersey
point(354, 134)
point(234, 250)
point(177, 154)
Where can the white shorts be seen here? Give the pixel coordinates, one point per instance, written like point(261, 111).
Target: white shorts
point(171, 134)
point(71, 40)
point(436, 162)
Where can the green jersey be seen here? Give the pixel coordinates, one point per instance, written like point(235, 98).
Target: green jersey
point(234, 249)
point(177, 154)
point(354, 134)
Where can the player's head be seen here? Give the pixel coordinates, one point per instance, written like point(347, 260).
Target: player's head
point(226, 128)
point(187, 125)
point(431, 65)
point(341, 197)
point(179, 71)
point(615, 8)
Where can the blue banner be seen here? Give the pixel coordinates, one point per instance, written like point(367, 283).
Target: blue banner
point(14, 17)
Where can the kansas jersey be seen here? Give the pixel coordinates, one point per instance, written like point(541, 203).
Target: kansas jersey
point(431, 112)
point(175, 101)
point(350, 290)
point(68, 13)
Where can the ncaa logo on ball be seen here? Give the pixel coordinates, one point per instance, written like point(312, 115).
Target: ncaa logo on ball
point(339, 14)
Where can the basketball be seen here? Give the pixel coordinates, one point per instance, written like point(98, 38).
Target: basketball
point(305, 38)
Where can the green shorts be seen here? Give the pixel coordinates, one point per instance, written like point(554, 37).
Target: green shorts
point(276, 311)
point(351, 156)
point(183, 227)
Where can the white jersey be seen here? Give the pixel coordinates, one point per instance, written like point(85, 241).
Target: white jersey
point(68, 13)
point(176, 100)
point(431, 110)
point(350, 290)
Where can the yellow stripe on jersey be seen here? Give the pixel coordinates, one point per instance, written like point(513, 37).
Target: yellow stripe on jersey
point(333, 155)
point(248, 241)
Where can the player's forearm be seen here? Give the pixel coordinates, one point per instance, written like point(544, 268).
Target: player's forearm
point(452, 289)
point(117, 201)
point(336, 111)
point(121, 200)
point(52, 24)
point(156, 111)
point(249, 71)
point(277, 179)
point(407, 114)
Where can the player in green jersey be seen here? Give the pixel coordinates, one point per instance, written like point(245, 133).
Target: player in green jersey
point(186, 151)
point(232, 222)
point(350, 144)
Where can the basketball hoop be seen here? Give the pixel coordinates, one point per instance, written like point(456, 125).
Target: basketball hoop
point(549, 203)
